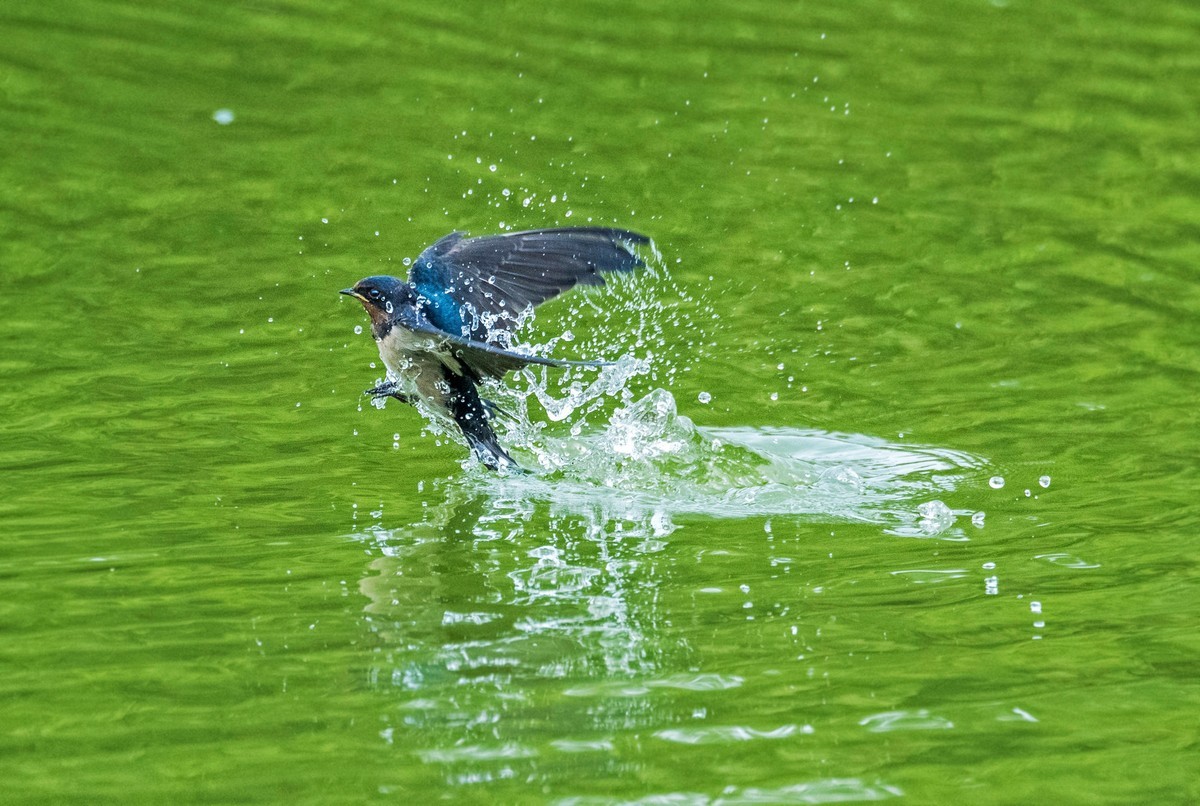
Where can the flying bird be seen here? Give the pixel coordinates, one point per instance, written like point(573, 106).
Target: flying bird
point(449, 327)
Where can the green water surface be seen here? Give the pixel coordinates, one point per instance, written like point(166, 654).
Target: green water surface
point(908, 253)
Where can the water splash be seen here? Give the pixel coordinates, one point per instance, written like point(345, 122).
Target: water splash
point(647, 314)
point(646, 458)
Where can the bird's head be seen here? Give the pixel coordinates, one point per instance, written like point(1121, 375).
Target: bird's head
point(381, 295)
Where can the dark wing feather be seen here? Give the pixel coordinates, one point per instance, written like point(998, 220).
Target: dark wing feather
point(482, 359)
point(488, 361)
point(497, 277)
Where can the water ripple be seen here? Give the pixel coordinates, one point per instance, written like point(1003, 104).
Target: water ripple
point(928, 576)
point(682, 682)
point(905, 720)
point(452, 755)
point(722, 734)
point(1067, 561)
point(832, 790)
point(836, 790)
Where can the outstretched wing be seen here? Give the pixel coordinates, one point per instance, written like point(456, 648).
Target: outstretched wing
point(495, 278)
point(478, 359)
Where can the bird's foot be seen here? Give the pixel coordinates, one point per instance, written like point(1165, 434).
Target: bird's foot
point(389, 389)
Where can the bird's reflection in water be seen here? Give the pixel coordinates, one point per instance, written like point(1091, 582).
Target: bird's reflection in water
point(512, 627)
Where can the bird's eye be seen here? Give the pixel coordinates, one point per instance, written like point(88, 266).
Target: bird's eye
point(374, 292)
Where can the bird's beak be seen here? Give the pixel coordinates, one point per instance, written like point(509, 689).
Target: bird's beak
point(350, 292)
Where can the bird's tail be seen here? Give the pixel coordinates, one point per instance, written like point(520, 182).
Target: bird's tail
point(487, 449)
point(470, 412)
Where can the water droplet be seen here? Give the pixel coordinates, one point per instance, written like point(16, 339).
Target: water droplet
point(704, 397)
point(358, 330)
point(996, 482)
point(936, 517)
point(223, 116)
point(1044, 481)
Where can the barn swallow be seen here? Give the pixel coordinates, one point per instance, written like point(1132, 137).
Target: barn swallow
point(449, 327)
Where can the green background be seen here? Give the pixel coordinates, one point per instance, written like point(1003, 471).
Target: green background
point(906, 248)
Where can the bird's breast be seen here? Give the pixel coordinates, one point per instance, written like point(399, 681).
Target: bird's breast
point(407, 354)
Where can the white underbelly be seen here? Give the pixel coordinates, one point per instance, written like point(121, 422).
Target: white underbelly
point(416, 361)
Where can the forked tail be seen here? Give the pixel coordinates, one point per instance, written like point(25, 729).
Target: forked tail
point(488, 450)
point(470, 412)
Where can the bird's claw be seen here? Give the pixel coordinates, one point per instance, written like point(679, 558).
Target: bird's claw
point(389, 389)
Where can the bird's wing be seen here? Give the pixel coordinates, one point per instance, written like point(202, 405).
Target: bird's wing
point(495, 278)
point(481, 359)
